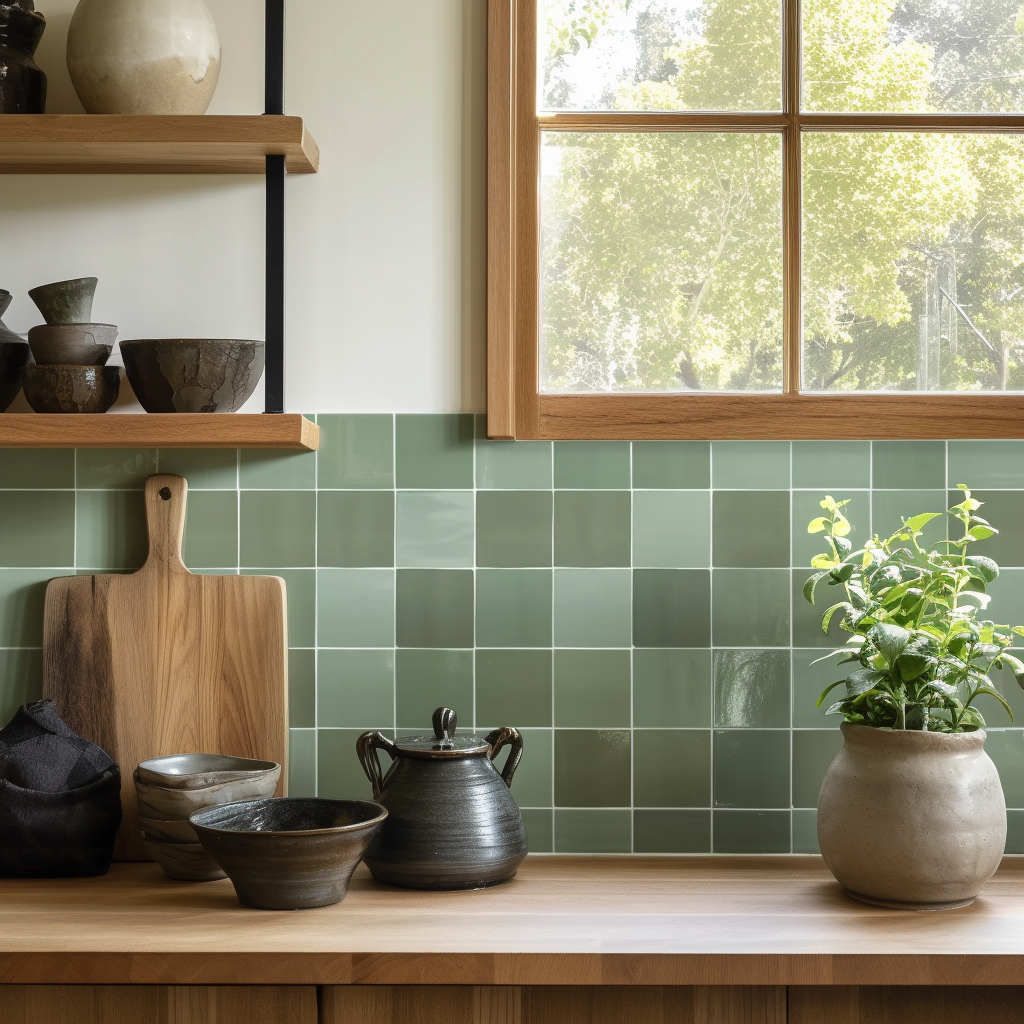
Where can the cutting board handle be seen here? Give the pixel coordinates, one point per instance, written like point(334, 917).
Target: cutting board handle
point(165, 521)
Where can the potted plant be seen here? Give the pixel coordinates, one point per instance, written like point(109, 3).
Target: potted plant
point(911, 812)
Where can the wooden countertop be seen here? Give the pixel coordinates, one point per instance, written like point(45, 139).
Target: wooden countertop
point(762, 920)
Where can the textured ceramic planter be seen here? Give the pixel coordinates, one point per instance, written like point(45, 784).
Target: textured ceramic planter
point(912, 819)
point(143, 56)
point(22, 84)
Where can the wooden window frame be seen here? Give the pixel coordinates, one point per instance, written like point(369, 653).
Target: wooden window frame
point(516, 409)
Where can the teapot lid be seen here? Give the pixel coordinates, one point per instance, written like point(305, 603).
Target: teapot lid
point(444, 742)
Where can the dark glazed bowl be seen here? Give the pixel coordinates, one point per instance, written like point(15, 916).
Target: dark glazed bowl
point(289, 853)
point(65, 302)
point(72, 344)
point(13, 357)
point(193, 374)
point(54, 389)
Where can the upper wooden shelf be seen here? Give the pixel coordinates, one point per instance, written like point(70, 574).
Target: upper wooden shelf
point(130, 144)
point(159, 430)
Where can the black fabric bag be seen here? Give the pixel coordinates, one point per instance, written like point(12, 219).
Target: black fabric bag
point(60, 798)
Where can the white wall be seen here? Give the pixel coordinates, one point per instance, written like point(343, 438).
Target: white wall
point(386, 245)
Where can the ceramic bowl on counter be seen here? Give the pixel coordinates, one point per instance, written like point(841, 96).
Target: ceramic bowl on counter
point(289, 853)
point(184, 862)
point(72, 389)
point(200, 771)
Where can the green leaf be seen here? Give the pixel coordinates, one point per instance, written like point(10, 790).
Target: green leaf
point(919, 522)
point(986, 567)
point(824, 561)
point(862, 682)
point(913, 666)
point(811, 583)
point(981, 532)
point(891, 640)
point(819, 525)
point(826, 619)
point(999, 697)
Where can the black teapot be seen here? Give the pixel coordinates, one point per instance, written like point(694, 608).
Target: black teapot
point(452, 822)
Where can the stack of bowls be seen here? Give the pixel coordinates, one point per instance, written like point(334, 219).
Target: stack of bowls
point(171, 788)
point(70, 372)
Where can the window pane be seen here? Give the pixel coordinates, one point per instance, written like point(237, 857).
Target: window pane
point(659, 55)
point(661, 262)
point(913, 55)
point(913, 262)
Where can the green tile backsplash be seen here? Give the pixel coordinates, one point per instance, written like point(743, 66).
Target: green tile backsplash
point(634, 608)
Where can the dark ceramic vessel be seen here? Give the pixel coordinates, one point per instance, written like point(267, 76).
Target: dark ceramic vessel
point(71, 389)
point(452, 822)
point(13, 357)
point(72, 344)
point(22, 84)
point(65, 302)
point(289, 853)
point(193, 374)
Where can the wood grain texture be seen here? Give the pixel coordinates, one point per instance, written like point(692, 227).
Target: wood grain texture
point(136, 144)
point(561, 921)
point(390, 1004)
point(902, 1005)
point(159, 430)
point(162, 661)
point(157, 1004)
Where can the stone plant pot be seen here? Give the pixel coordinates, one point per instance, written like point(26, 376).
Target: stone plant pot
point(910, 819)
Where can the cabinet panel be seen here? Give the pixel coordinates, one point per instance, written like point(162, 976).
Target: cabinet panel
point(834, 1004)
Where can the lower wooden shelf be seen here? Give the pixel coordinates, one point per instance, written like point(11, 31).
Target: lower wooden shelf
point(159, 430)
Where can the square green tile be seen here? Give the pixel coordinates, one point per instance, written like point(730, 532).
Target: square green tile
point(434, 529)
point(340, 776)
point(750, 529)
point(751, 831)
point(672, 768)
point(592, 465)
point(751, 768)
point(903, 465)
point(37, 468)
point(356, 451)
point(513, 528)
point(994, 463)
point(513, 465)
point(302, 689)
point(434, 451)
point(582, 831)
point(592, 768)
point(22, 593)
point(672, 831)
point(592, 528)
point(813, 749)
point(114, 467)
point(356, 689)
point(533, 783)
point(592, 689)
point(750, 465)
point(45, 533)
point(752, 689)
point(805, 831)
point(428, 679)
point(672, 464)
point(1005, 511)
point(275, 470)
point(278, 528)
point(1014, 832)
point(671, 608)
point(300, 591)
point(1006, 748)
point(750, 607)
point(1007, 597)
point(211, 530)
point(513, 687)
point(992, 710)
point(355, 607)
point(540, 829)
point(110, 530)
point(672, 529)
point(807, 507)
point(671, 688)
point(807, 617)
point(809, 680)
point(355, 529)
point(889, 508)
point(302, 762)
point(434, 608)
point(21, 680)
point(592, 608)
point(831, 465)
point(513, 607)
point(205, 469)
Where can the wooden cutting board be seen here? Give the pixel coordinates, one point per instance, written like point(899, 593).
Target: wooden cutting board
point(162, 661)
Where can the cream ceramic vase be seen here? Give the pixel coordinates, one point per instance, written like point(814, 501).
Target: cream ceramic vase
point(912, 819)
point(143, 56)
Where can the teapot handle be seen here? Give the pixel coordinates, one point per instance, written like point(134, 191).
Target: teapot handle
point(366, 750)
point(506, 736)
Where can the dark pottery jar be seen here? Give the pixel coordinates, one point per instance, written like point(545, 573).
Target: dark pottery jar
point(452, 822)
point(22, 84)
point(13, 357)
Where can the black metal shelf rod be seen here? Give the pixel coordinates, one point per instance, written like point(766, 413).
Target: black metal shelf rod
point(273, 102)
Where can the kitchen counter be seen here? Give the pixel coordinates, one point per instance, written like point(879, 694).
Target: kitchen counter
point(584, 921)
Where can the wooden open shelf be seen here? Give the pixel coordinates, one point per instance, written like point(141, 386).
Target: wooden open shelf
point(159, 430)
point(130, 144)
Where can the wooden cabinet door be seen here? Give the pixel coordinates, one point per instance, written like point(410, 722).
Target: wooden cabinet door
point(908, 1004)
